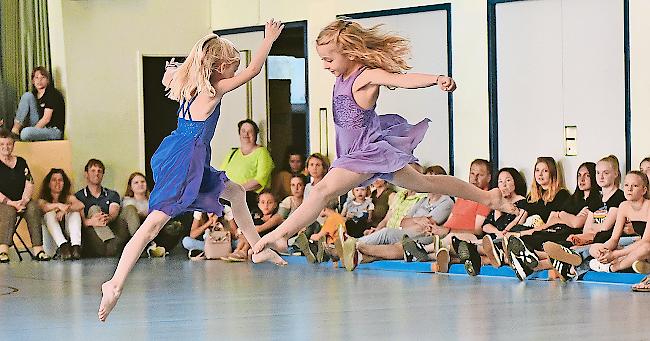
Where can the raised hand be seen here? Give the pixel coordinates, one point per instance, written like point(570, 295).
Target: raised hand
point(446, 83)
point(272, 29)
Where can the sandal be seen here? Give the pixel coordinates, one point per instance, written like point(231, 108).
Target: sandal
point(41, 256)
point(196, 255)
point(643, 286)
point(4, 257)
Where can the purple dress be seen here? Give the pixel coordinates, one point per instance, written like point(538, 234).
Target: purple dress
point(370, 143)
point(184, 179)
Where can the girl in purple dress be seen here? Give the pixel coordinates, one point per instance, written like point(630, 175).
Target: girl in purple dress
point(370, 146)
point(181, 165)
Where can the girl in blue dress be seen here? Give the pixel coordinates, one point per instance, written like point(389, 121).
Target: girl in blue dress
point(184, 179)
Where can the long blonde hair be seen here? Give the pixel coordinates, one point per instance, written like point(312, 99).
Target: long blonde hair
point(369, 46)
point(193, 76)
point(536, 191)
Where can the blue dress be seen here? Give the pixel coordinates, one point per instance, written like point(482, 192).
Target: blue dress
point(184, 179)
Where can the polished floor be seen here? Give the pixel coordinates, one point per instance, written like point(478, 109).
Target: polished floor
point(173, 298)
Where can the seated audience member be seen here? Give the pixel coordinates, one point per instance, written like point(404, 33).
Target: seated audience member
point(265, 218)
point(250, 165)
point(41, 112)
point(600, 216)
point(463, 227)
point(291, 203)
point(281, 184)
point(16, 187)
point(104, 233)
point(61, 207)
point(381, 194)
point(358, 212)
point(644, 166)
point(619, 251)
point(195, 242)
point(421, 221)
point(135, 206)
point(560, 225)
point(316, 247)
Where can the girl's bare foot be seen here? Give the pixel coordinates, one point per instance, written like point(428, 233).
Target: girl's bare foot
point(497, 202)
point(268, 255)
point(110, 295)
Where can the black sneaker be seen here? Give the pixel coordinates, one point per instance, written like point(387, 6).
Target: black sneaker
point(65, 251)
point(455, 243)
point(414, 251)
point(521, 270)
point(565, 270)
point(522, 260)
point(524, 255)
point(469, 256)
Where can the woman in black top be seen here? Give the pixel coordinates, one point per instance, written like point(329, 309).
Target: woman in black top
point(546, 192)
point(601, 220)
point(16, 187)
point(571, 218)
point(42, 111)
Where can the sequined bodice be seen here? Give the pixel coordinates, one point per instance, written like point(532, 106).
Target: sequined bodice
point(347, 113)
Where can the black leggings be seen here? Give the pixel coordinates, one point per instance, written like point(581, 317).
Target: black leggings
point(557, 233)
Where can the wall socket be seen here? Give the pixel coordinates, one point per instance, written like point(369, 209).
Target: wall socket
point(570, 140)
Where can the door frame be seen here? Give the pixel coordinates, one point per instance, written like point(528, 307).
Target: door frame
point(256, 28)
point(492, 82)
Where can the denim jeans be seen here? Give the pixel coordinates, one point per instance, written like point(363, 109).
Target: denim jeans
point(27, 116)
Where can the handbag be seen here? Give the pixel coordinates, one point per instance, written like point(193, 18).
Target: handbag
point(217, 242)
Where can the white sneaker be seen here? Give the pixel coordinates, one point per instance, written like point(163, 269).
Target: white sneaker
point(595, 265)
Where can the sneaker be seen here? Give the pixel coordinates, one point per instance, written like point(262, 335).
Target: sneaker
point(493, 251)
point(350, 254)
point(4, 257)
point(154, 251)
point(521, 270)
point(442, 260)
point(76, 252)
point(566, 271)
point(640, 266)
point(455, 243)
point(561, 253)
point(469, 255)
point(338, 249)
point(303, 244)
point(320, 249)
point(595, 265)
point(65, 252)
point(522, 260)
point(524, 255)
point(195, 254)
point(437, 243)
point(414, 251)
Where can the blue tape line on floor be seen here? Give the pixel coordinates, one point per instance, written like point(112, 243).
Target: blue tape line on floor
point(486, 270)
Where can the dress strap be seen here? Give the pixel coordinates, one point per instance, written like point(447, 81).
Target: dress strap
point(186, 109)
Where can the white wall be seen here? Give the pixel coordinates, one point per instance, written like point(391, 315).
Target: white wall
point(640, 79)
point(97, 48)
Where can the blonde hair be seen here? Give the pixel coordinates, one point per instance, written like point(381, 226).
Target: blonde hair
point(613, 161)
point(193, 76)
point(536, 191)
point(369, 46)
point(644, 179)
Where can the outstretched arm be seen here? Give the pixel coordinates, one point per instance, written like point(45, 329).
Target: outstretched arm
point(407, 80)
point(272, 31)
